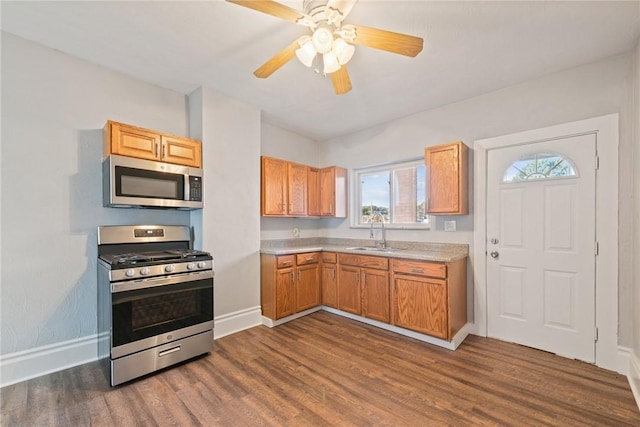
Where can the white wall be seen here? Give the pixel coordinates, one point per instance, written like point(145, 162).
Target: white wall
point(282, 144)
point(54, 108)
point(230, 222)
point(593, 90)
point(635, 366)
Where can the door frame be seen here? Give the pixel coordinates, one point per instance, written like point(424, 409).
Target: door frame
point(606, 130)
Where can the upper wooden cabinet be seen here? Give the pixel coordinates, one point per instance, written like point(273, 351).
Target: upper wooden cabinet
point(284, 188)
point(333, 192)
point(294, 189)
point(447, 179)
point(313, 191)
point(132, 141)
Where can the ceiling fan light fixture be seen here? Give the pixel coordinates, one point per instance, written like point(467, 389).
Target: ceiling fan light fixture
point(306, 53)
point(331, 63)
point(322, 38)
point(343, 50)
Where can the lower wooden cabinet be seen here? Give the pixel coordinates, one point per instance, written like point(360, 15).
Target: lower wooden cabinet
point(375, 294)
point(349, 289)
point(363, 286)
point(289, 284)
point(423, 296)
point(329, 269)
point(428, 297)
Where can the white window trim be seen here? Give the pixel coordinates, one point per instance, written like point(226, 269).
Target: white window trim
point(355, 199)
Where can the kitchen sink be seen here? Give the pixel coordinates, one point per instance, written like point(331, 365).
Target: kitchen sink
point(373, 249)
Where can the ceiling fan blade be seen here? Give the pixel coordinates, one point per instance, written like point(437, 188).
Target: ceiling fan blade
point(272, 8)
point(402, 44)
point(344, 6)
point(341, 81)
point(278, 60)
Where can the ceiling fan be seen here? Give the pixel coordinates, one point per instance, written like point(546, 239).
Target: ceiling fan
point(330, 43)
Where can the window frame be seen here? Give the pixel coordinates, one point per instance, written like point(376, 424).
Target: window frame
point(356, 196)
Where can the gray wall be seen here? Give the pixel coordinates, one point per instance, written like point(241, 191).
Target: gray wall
point(230, 222)
point(593, 90)
point(636, 194)
point(53, 110)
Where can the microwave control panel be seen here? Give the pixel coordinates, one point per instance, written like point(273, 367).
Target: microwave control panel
point(195, 188)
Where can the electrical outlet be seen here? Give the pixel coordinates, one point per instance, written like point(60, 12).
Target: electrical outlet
point(449, 226)
point(296, 232)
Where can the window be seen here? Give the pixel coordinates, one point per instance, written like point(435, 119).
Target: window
point(540, 166)
point(395, 192)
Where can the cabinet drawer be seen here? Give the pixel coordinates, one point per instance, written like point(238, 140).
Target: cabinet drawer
point(307, 258)
point(285, 261)
point(421, 268)
point(329, 257)
point(364, 261)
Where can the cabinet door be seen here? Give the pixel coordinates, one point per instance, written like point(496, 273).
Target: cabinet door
point(308, 287)
point(349, 289)
point(182, 151)
point(375, 291)
point(134, 142)
point(285, 293)
point(297, 174)
point(446, 168)
point(420, 304)
point(313, 191)
point(274, 186)
point(327, 188)
point(329, 285)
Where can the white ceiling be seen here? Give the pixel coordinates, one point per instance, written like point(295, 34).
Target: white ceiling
point(470, 48)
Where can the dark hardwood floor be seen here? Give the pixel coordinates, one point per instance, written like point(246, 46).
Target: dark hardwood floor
point(327, 370)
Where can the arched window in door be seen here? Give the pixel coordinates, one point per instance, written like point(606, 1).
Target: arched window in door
point(540, 166)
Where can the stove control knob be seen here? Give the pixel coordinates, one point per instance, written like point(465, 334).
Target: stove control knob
point(130, 272)
point(191, 266)
point(144, 271)
point(202, 264)
point(169, 268)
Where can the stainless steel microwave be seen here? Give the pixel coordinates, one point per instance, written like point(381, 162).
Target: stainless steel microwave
point(137, 183)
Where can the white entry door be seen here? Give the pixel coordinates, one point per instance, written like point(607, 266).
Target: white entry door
point(541, 245)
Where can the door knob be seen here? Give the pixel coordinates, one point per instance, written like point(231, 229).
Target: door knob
point(494, 254)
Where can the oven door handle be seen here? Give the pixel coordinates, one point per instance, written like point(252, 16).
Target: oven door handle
point(153, 282)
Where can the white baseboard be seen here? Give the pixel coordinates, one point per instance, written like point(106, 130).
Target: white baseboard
point(231, 323)
point(634, 376)
point(272, 323)
point(24, 365)
point(449, 345)
point(35, 362)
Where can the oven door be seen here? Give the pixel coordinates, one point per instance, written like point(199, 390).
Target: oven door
point(151, 312)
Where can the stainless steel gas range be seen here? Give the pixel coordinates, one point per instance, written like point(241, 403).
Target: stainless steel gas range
point(155, 299)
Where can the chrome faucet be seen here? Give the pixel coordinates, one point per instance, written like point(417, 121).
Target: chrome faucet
point(372, 218)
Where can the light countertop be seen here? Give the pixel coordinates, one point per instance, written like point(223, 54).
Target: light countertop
point(438, 252)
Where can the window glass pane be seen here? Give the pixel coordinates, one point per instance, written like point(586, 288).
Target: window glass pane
point(374, 196)
point(539, 166)
point(409, 195)
point(394, 192)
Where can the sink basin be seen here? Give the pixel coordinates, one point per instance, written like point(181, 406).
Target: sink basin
point(373, 249)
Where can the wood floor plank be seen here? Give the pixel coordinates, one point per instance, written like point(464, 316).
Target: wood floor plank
point(325, 370)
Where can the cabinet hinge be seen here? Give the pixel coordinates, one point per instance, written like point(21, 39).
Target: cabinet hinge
point(597, 249)
point(596, 335)
point(597, 162)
